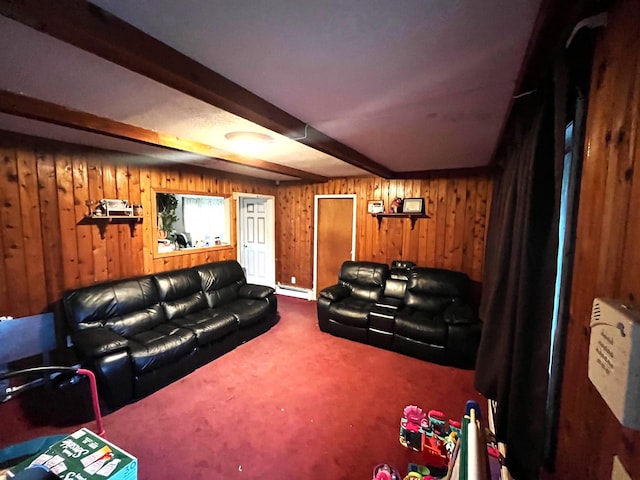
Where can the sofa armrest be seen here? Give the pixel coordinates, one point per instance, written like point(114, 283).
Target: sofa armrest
point(462, 344)
point(98, 342)
point(250, 290)
point(457, 314)
point(335, 292)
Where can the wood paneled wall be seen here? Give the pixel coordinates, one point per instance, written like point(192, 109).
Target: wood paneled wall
point(47, 246)
point(607, 255)
point(454, 236)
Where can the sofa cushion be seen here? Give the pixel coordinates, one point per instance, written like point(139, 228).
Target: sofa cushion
point(112, 302)
point(221, 281)
point(160, 346)
point(208, 325)
point(185, 306)
point(180, 292)
point(433, 289)
point(428, 304)
point(395, 288)
point(248, 311)
point(251, 290)
point(366, 280)
point(335, 293)
point(98, 342)
point(421, 326)
point(177, 284)
point(351, 311)
point(439, 281)
point(136, 322)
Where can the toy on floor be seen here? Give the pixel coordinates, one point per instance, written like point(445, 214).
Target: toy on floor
point(413, 476)
point(436, 424)
point(435, 452)
point(418, 472)
point(385, 472)
point(417, 476)
point(430, 434)
point(411, 427)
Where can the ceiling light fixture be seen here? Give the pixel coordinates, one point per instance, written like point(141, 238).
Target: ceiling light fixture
point(248, 142)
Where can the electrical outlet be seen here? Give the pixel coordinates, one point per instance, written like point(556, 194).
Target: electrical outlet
point(619, 472)
point(293, 280)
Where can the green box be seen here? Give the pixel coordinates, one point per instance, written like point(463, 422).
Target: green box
point(83, 455)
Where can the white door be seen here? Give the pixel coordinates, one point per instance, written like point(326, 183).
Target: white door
point(256, 249)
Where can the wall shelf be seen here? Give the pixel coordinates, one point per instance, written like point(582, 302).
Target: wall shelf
point(103, 220)
point(412, 216)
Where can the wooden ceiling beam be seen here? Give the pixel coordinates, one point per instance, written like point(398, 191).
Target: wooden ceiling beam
point(94, 30)
point(35, 109)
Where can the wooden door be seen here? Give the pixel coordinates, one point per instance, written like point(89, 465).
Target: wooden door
point(335, 233)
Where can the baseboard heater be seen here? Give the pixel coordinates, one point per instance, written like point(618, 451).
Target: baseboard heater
point(296, 292)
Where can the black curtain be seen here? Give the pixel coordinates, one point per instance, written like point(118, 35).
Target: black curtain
point(519, 275)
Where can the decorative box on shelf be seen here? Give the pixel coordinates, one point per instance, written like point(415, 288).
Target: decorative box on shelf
point(112, 207)
point(375, 206)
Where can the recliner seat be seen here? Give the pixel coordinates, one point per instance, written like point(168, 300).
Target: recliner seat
point(425, 313)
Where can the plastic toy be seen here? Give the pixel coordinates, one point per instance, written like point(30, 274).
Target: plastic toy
point(450, 442)
point(430, 434)
point(435, 452)
point(437, 423)
point(413, 476)
point(419, 472)
point(385, 472)
point(414, 414)
point(411, 430)
point(455, 426)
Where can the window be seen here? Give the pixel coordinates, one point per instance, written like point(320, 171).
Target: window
point(188, 221)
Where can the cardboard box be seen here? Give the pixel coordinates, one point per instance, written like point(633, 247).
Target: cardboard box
point(83, 455)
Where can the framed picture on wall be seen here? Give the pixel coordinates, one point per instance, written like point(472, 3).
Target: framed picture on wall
point(375, 206)
point(413, 205)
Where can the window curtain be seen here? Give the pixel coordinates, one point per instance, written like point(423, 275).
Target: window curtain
point(204, 219)
point(518, 279)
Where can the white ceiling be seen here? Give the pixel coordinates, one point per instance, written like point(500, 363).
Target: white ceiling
point(413, 85)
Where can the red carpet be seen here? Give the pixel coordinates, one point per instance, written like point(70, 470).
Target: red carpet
point(293, 403)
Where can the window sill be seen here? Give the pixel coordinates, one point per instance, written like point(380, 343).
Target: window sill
point(194, 250)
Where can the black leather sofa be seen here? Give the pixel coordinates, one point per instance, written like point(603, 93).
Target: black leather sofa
point(425, 313)
point(140, 334)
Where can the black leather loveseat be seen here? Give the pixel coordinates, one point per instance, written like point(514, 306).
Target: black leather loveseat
point(140, 334)
point(426, 313)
